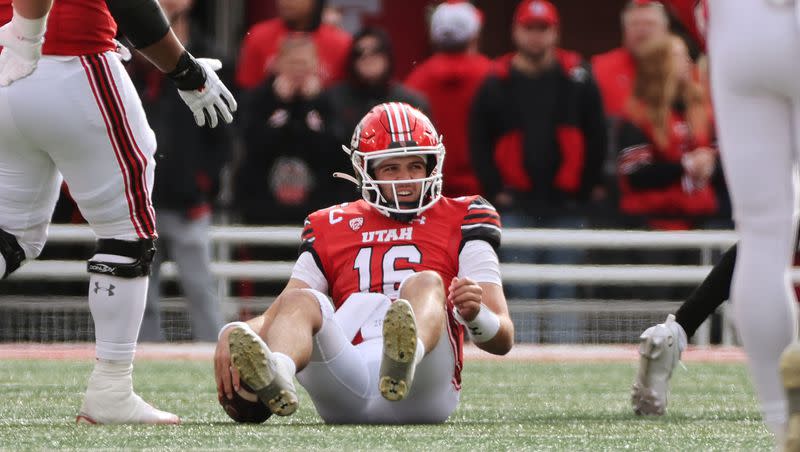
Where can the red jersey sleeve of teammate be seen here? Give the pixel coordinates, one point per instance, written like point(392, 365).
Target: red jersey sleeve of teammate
point(481, 222)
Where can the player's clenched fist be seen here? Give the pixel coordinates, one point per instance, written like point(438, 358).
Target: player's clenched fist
point(202, 90)
point(466, 295)
point(22, 40)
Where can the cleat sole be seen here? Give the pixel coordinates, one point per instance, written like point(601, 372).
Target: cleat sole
point(399, 349)
point(252, 363)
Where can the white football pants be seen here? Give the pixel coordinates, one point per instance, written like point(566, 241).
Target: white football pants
point(342, 378)
point(79, 117)
point(754, 47)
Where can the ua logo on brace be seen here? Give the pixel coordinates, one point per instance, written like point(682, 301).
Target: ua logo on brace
point(109, 290)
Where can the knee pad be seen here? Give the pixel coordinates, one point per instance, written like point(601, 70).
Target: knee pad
point(12, 253)
point(141, 251)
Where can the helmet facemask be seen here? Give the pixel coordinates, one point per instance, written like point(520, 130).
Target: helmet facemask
point(431, 185)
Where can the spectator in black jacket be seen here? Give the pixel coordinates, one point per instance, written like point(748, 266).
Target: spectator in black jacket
point(369, 82)
point(187, 178)
point(538, 136)
point(289, 155)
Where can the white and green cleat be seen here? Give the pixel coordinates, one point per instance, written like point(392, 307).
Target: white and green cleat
point(399, 350)
point(262, 372)
point(659, 352)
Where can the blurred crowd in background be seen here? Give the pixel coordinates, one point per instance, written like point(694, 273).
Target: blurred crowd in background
point(555, 139)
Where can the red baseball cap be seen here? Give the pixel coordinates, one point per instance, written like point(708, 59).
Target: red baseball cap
point(536, 11)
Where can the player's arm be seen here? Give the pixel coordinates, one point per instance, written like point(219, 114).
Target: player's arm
point(146, 27)
point(32, 9)
point(483, 307)
point(477, 291)
point(22, 39)
point(226, 375)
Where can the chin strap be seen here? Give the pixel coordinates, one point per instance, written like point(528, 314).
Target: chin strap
point(347, 177)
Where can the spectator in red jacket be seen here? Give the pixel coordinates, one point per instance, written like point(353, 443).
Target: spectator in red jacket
point(450, 79)
point(666, 161)
point(263, 40)
point(614, 71)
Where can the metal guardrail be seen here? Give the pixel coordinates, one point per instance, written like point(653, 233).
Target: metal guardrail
point(706, 241)
point(522, 237)
point(223, 237)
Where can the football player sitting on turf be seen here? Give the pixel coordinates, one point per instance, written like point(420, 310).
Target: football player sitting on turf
point(371, 321)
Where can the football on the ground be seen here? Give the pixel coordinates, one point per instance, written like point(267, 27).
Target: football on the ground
point(245, 406)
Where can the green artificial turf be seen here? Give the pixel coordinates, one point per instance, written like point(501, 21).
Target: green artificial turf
point(504, 406)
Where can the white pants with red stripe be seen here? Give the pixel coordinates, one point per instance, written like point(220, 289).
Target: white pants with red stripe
point(342, 378)
point(79, 117)
point(754, 49)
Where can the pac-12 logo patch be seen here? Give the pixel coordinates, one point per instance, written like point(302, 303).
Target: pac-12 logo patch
point(356, 223)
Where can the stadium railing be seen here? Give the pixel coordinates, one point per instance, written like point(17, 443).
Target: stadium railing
point(225, 237)
point(705, 241)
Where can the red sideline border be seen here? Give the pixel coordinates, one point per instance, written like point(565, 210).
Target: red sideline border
point(521, 352)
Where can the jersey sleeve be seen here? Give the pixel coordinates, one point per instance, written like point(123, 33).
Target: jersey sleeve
point(307, 270)
point(478, 261)
point(481, 222)
point(308, 243)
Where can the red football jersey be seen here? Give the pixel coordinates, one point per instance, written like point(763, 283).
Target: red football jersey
point(359, 249)
point(74, 27)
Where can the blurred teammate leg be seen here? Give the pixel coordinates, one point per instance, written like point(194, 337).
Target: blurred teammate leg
point(29, 187)
point(754, 85)
point(790, 358)
point(190, 249)
point(661, 345)
point(151, 322)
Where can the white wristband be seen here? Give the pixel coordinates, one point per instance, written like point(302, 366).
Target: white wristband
point(222, 330)
point(484, 326)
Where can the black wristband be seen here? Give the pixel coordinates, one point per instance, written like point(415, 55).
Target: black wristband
point(187, 75)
